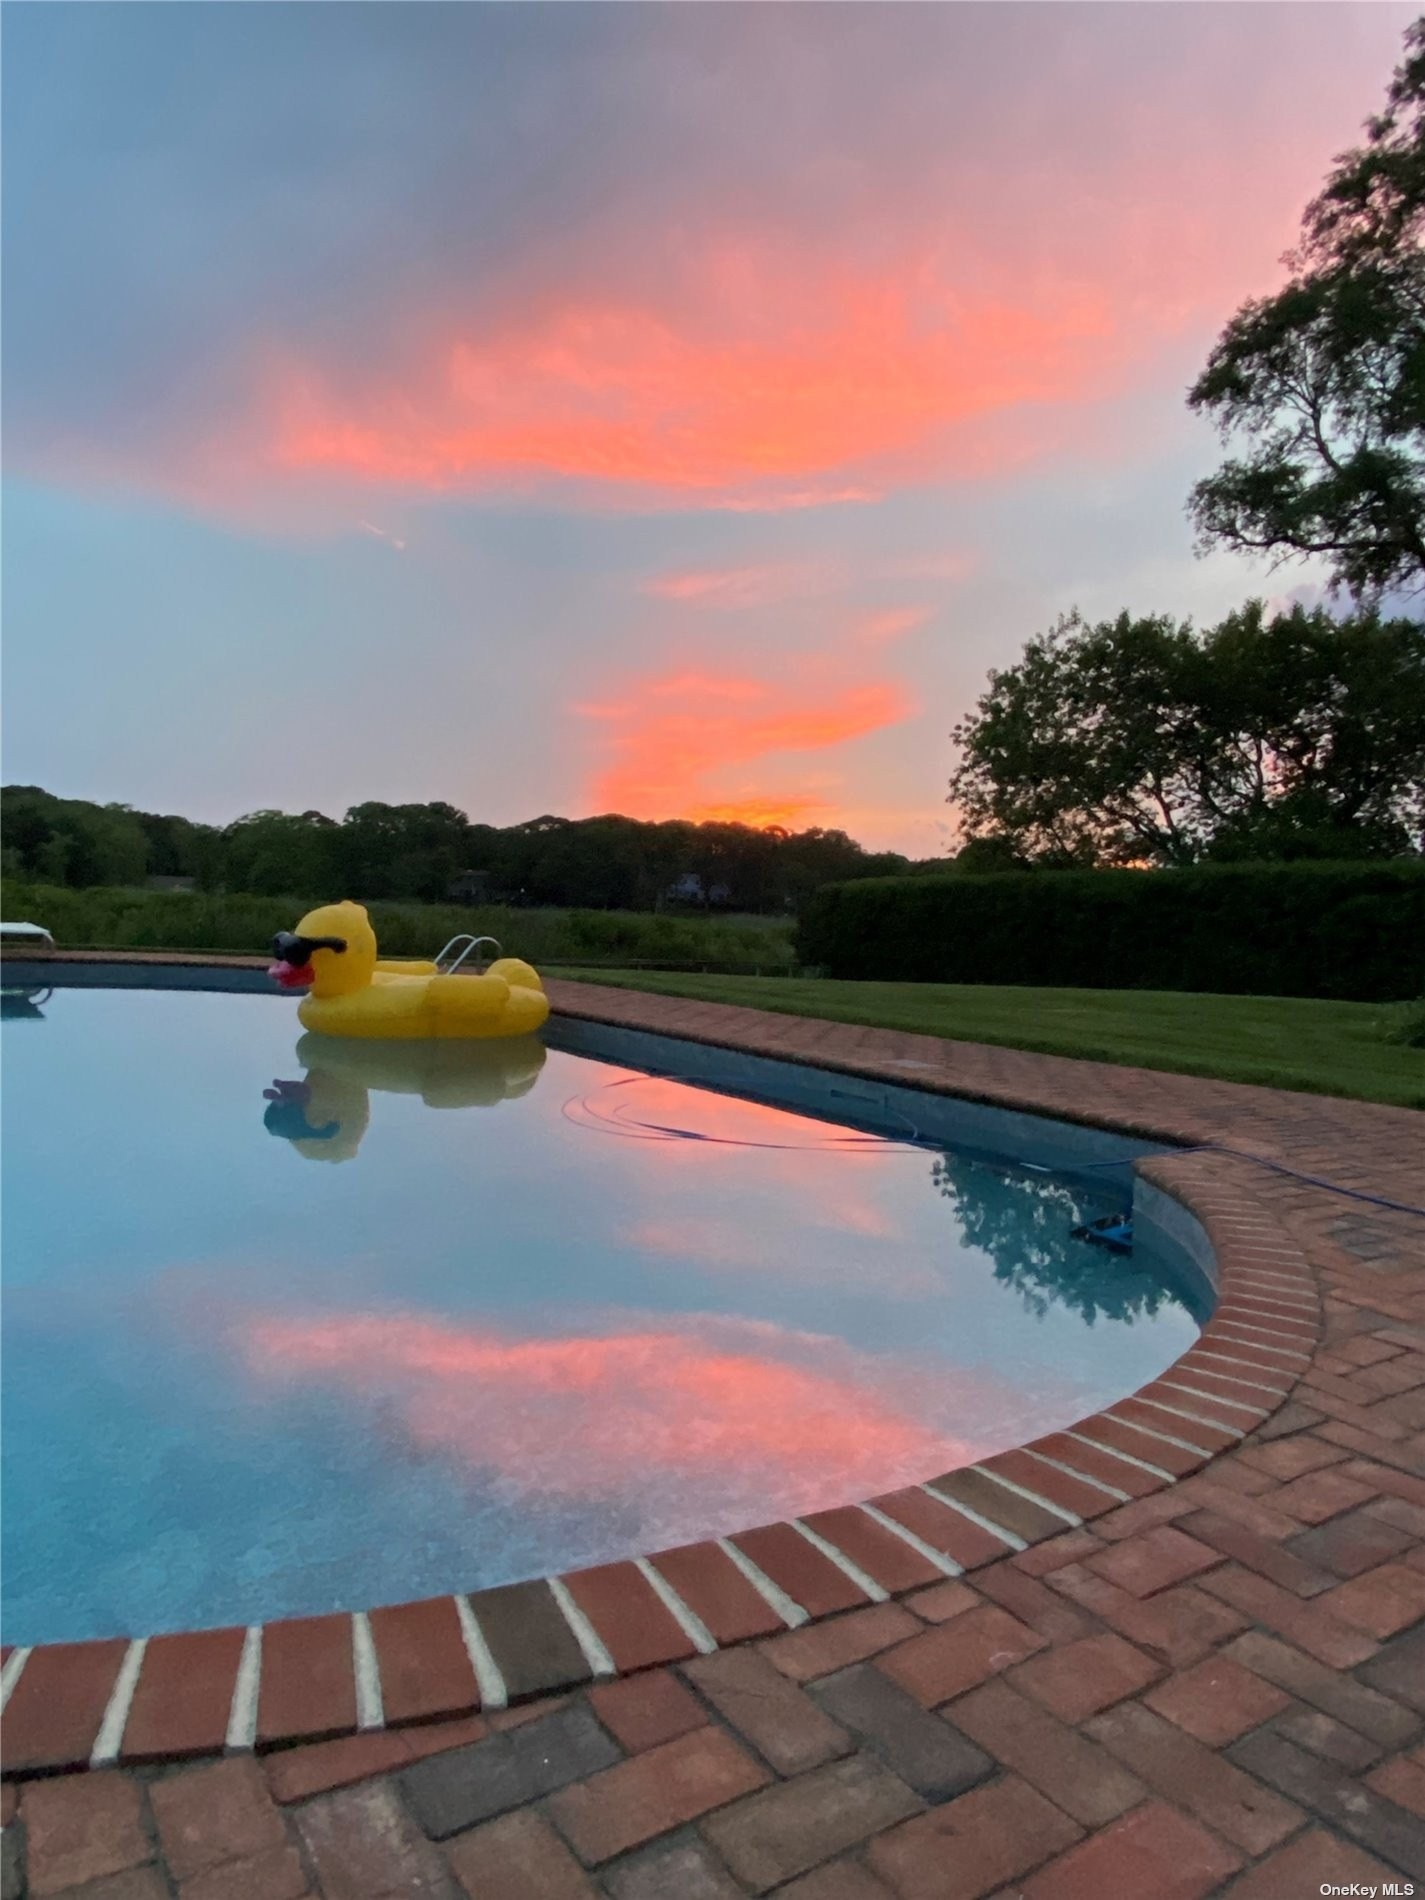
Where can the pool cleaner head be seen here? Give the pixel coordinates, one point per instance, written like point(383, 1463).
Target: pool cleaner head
point(1114, 1231)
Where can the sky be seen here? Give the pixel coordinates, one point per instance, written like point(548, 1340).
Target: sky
point(674, 410)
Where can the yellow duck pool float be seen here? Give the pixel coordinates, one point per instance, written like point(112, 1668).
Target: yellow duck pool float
point(332, 955)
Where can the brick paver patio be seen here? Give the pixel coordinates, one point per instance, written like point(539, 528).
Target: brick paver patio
point(1215, 1688)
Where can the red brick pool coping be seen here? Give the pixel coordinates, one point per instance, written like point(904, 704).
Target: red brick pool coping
point(1198, 1542)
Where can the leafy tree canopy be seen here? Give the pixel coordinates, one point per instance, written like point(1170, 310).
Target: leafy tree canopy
point(1321, 388)
point(1143, 741)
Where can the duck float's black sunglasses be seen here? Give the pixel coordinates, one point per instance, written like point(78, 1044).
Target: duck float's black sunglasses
point(288, 948)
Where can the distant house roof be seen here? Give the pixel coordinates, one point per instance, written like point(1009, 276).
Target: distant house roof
point(468, 884)
point(690, 885)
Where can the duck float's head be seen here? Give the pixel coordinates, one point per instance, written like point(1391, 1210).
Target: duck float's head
point(332, 952)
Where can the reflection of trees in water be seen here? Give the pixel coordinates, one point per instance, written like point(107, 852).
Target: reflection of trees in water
point(24, 1003)
point(1024, 1226)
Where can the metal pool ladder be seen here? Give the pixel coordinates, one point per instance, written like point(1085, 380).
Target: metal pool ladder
point(466, 946)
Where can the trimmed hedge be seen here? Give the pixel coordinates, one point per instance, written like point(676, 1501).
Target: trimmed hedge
point(1355, 932)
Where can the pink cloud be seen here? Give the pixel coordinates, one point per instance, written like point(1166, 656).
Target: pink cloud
point(889, 623)
point(383, 534)
point(736, 587)
point(769, 583)
point(836, 373)
point(955, 565)
point(775, 502)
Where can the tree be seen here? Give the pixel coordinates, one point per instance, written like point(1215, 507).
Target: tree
point(110, 847)
point(274, 854)
point(1074, 756)
point(1146, 742)
point(70, 841)
point(595, 864)
point(1312, 734)
point(402, 850)
point(176, 846)
point(1325, 381)
point(979, 857)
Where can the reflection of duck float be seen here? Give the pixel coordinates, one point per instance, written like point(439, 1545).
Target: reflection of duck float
point(24, 1002)
point(332, 954)
point(325, 1115)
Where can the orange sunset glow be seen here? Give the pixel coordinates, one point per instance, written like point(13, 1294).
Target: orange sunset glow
point(669, 737)
point(788, 813)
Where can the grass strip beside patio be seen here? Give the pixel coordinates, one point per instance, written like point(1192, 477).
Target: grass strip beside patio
point(1321, 1048)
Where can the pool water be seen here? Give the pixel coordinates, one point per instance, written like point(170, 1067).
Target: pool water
point(293, 1325)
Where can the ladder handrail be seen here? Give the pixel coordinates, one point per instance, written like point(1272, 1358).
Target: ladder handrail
point(471, 945)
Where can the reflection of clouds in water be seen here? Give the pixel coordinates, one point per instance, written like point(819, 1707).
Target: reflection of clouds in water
point(656, 1109)
point(832, 1172)
point(700, 1399)
point(1025, 1226)
point(724, 1244)
point(708, 1241)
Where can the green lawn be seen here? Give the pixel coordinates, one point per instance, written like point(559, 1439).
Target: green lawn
point(1289, 1043)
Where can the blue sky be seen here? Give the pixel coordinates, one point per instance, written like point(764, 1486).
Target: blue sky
point(674, 410)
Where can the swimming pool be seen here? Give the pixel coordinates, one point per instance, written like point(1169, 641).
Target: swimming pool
point(293, 1325)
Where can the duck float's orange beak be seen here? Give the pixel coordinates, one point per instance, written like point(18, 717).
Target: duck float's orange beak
point(292, 958)
point(290, 976)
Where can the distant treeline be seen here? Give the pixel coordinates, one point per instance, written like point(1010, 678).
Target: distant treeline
point(434, 854)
